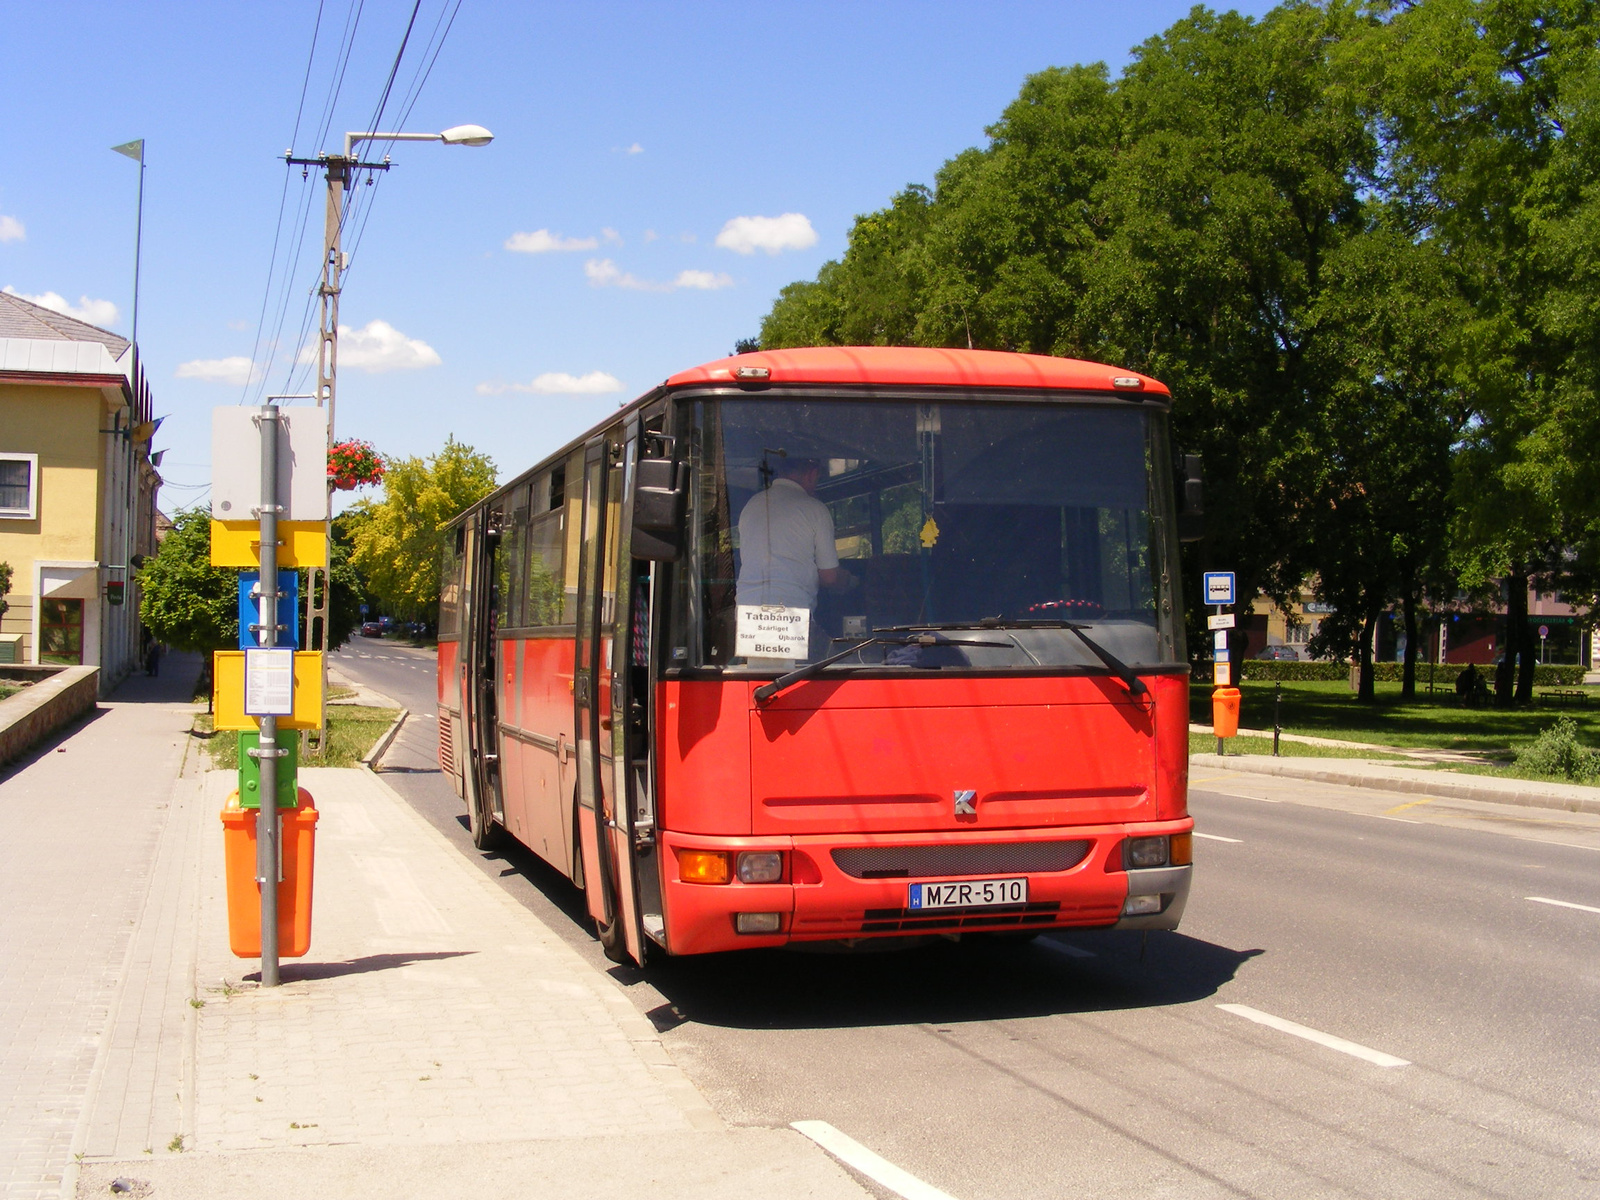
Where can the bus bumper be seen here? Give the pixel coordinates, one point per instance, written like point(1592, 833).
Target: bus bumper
point(819, 901)
point(1170, 885)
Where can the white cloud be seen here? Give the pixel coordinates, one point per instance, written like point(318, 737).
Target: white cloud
point(746, 235)
point(650, 235)
point(542, 241)
point(239, 326)
point(11, 230)
point(704, 281)
point(634, 149)
point(602, 272)
point(610, 236)
point(558, 383)
point(236, 370)
point(378, 347)
point(95, 312)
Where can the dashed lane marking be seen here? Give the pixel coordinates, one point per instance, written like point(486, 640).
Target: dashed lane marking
point(1563, 903)
point(1354, 1049)
point(876, 1168)
point(1217, 837)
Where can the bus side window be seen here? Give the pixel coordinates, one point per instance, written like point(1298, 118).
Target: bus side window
point(450, 585)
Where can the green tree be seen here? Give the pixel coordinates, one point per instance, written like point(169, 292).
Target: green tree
point(185, 602)
point(5, 585)
point(1483, 107)
point(397, 541)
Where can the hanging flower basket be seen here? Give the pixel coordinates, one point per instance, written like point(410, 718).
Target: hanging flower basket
point(353, 464)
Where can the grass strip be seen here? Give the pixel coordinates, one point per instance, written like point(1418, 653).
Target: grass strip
point(352, 730)
point(1203, 745)
point(1331, 709)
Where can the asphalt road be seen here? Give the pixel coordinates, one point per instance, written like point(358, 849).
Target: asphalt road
point(1098, 1065)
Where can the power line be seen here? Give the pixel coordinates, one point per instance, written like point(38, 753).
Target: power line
point(283, 197)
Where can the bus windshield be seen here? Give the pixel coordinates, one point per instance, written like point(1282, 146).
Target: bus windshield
point(823, 524)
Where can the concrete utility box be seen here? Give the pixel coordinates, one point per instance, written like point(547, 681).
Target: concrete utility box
point(302, 464)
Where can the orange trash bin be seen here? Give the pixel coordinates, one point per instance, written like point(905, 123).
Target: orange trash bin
point(298, 840)
point(1225, 711)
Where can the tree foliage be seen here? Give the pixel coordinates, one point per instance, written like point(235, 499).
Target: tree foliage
point(5, 585)
point(396, 542)
point(185, 602)
point(1360, 243)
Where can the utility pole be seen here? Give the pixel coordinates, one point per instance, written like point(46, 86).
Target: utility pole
point(342, 170)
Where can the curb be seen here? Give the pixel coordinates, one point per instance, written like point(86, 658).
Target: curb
point(1431, 783)
point(379, 747)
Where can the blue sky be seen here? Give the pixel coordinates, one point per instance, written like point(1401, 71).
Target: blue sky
point(630, 140)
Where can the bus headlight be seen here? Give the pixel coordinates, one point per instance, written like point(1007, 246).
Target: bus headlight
point(1145, 852)
point(1140, 906)
point(757, 922)
point(760, 866)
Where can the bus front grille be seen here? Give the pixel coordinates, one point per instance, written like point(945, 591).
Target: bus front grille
point(913, 920)
point(929, 862)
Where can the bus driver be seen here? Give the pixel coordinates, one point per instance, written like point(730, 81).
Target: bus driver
point(786, 543)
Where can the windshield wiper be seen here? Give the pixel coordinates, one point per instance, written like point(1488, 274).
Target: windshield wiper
point(924, 637)
point(1135, 685)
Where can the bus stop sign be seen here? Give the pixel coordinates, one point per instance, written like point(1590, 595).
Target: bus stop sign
point(1218, 587)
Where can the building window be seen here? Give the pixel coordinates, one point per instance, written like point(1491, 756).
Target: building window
point(61, 632)
point(19, 486)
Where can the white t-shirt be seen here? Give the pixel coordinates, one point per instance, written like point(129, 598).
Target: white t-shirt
point(785, 538)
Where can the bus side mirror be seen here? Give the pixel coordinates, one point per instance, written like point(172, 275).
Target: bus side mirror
point(1191, 518)
point(660, 494)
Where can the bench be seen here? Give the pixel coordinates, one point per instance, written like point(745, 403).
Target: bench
point(1563, 696)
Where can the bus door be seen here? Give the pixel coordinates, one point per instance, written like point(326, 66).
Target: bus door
point(605, 838)
point(478, 652)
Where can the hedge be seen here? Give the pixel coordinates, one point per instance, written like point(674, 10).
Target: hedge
point(1262, 670)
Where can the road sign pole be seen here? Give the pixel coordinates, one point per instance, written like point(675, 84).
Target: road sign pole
point(268, 856)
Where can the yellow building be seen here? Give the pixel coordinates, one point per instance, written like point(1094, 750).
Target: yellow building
point(77, 490)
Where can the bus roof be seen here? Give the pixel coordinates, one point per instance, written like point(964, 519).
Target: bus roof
point(917, 366)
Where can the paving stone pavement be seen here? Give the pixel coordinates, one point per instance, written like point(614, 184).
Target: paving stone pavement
point(438, 1037)
point(80, 821)
point(432, 1009)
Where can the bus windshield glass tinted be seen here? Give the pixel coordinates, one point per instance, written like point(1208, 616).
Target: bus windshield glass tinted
point(817, 522)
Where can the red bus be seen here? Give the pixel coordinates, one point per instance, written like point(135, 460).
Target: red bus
point(835, 644)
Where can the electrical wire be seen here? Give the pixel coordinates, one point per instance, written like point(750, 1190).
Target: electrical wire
point(283, 196)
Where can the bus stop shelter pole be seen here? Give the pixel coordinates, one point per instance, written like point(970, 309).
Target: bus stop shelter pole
point(268, 855)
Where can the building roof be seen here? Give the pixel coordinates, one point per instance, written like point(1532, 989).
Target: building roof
point(21, 318)
point(920, 366)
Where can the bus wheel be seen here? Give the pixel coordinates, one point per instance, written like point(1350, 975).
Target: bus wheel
point(485, 833)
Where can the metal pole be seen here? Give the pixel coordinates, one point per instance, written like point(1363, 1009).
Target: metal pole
point(1277, 720)
point(268, 856)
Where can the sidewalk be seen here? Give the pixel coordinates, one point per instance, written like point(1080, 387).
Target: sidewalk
point(438, 1040)
point(81, 819)
point(1384, 776)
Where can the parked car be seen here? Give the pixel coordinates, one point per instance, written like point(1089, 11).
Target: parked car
point(1280, 654)
point(371, 629)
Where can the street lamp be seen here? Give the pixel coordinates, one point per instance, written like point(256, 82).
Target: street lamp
point(340, 169)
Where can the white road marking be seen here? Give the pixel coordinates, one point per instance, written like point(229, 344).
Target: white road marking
point(1063, 948)
point(876, 1168)
point(1402, 820)
point(1355, 1049)
point(1217, 837)
point(1562, 903)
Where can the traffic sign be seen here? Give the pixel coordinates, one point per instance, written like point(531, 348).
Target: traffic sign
point(1544, 631)
point(1218, 587)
